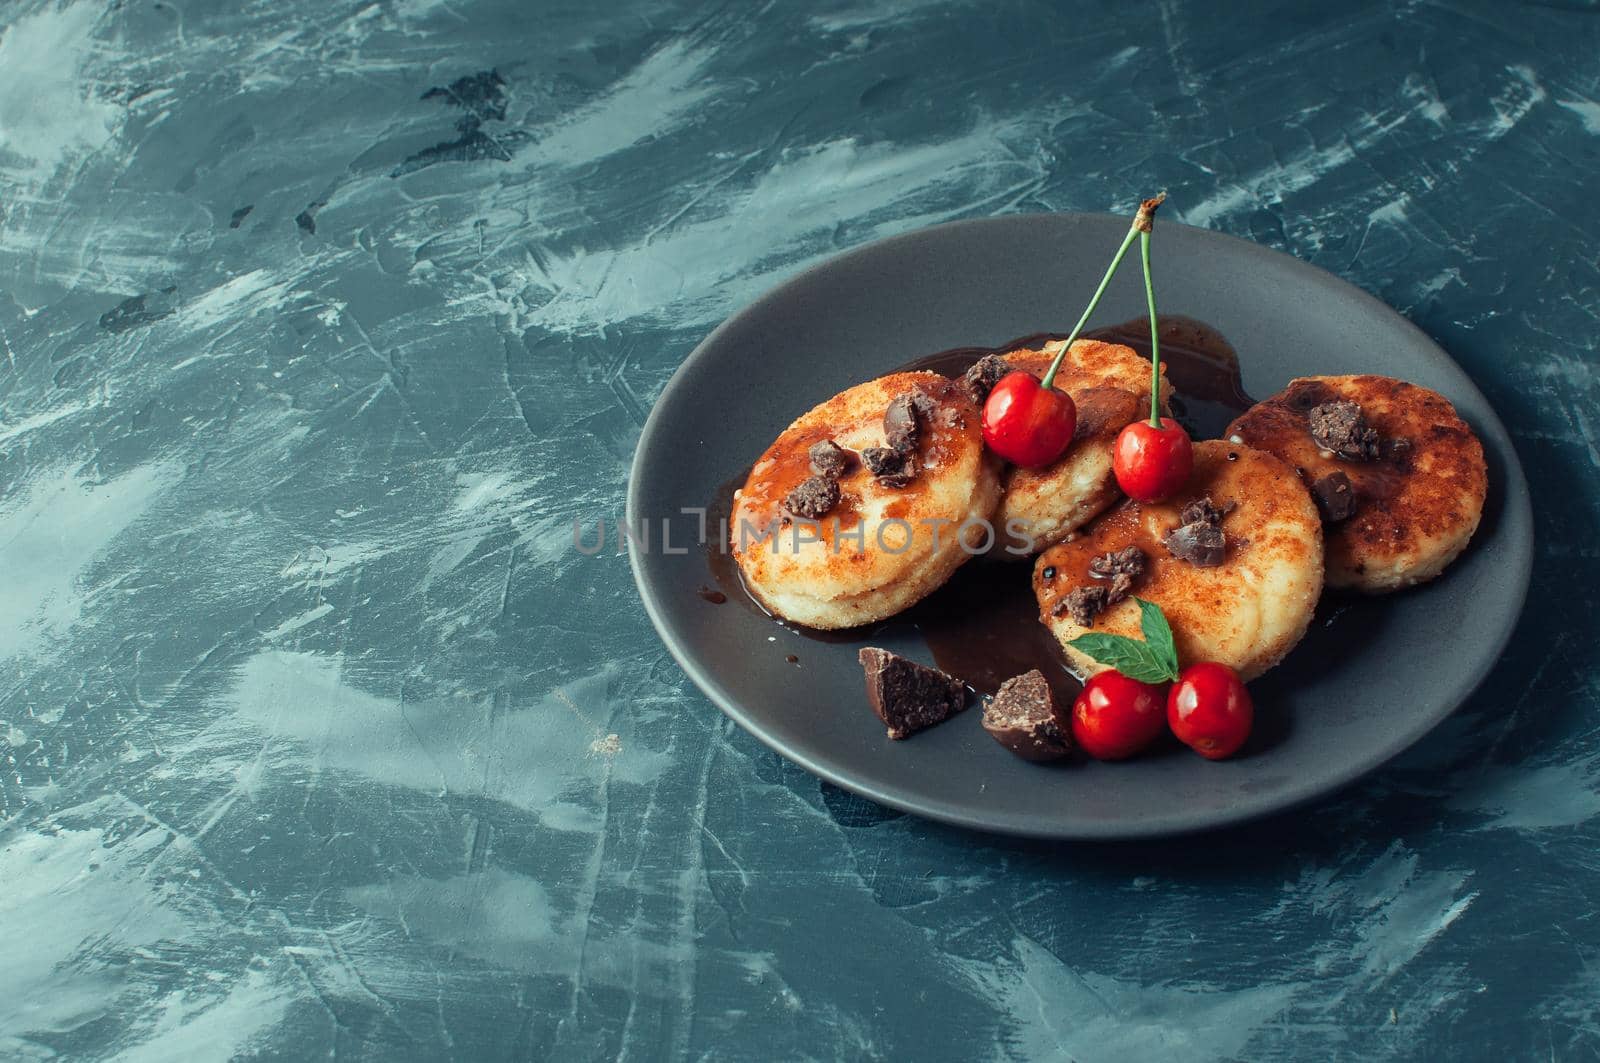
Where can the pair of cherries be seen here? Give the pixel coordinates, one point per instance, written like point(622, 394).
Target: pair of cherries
point(1029, 422)
point(1208, 709)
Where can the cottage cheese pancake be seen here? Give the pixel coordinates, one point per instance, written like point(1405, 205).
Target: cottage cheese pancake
point(1234, 560)
point(857, 510)
point(1399, 475)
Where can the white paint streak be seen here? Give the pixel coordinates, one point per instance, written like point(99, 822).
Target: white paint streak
point(692, 272)
point(1527, 798)
point(81, 901)
point(295, 623)
point(47, 113)
point(207, 1029)
point(10, 430)
point(1588, 113)
point(654, 98)
point(1059, 1012)
point(51, 535)
point(533, 757)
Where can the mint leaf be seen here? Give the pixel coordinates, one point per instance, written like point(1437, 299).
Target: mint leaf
point(1158, 634)
point(1153, 660)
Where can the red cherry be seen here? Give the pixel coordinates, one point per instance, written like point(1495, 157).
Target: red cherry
point(1115, 717)
point(1151, 463)
point(1028, 424)
point(1210, 710)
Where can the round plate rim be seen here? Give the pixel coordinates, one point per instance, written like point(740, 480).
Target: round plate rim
point(1515, 496)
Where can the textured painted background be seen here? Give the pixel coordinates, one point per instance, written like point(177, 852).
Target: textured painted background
point(320, 323)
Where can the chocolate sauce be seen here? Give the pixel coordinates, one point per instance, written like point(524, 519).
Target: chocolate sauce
point(714, 597)
point(983, 624)
point(1208, 392)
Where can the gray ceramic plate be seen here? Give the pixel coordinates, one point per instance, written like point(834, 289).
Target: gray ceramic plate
point(1343, 703)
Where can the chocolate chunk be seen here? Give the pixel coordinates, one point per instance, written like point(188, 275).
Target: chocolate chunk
point(907, 696)
point(813, 498)
point(1128, 562)
point(1202, 511)
point(1104, 411)
point(1397, 450)
point(893, 468)
point(1201, 544)
point(900, 428)
point(1335, 498)
point(1341, 428)
point(981, 378)
point(829, 459)
point(1083, 604)
point(1121, 586)
point(1022, 717)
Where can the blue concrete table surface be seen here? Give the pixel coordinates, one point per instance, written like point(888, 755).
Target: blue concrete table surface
point(320, 324)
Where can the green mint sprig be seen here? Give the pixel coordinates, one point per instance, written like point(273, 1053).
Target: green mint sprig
point(1153, 660)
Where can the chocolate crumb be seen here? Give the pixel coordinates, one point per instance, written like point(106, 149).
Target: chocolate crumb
point(1126, 562)
point(983, 375)
point(1341, 427)
point(1022, 717)
point(900, 429)
point(1334, 496)
point(906, 696)
point(813, 498)
point(1397, 450)
point(893, 468)
point(829, 459)
point(1202, 511)
point(1083, 604)
point(1201, 543)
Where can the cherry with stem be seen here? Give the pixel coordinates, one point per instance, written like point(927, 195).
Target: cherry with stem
point(1152, 459)
point(1026, 420)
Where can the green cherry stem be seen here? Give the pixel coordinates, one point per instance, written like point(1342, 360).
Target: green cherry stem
point(1155, 337)
point(1141, 225)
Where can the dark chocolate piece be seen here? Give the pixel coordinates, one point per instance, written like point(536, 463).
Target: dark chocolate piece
point(984, 374)
point(1202, 511)
point(1201, 544)
point(813, 498)
point(1083, 604)
point(1334, 496)
point(1129, 561)
point(909, 697)
point(829, 459)
point(900, 429)
point(1022, 717)
point(1341, 427)
point(893, 468)
point(1397, 450)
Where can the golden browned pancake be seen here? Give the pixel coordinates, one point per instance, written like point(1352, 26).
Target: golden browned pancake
point(1110, 384)
point(880, 548)
point(1415, 505)
point(1246, 612)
